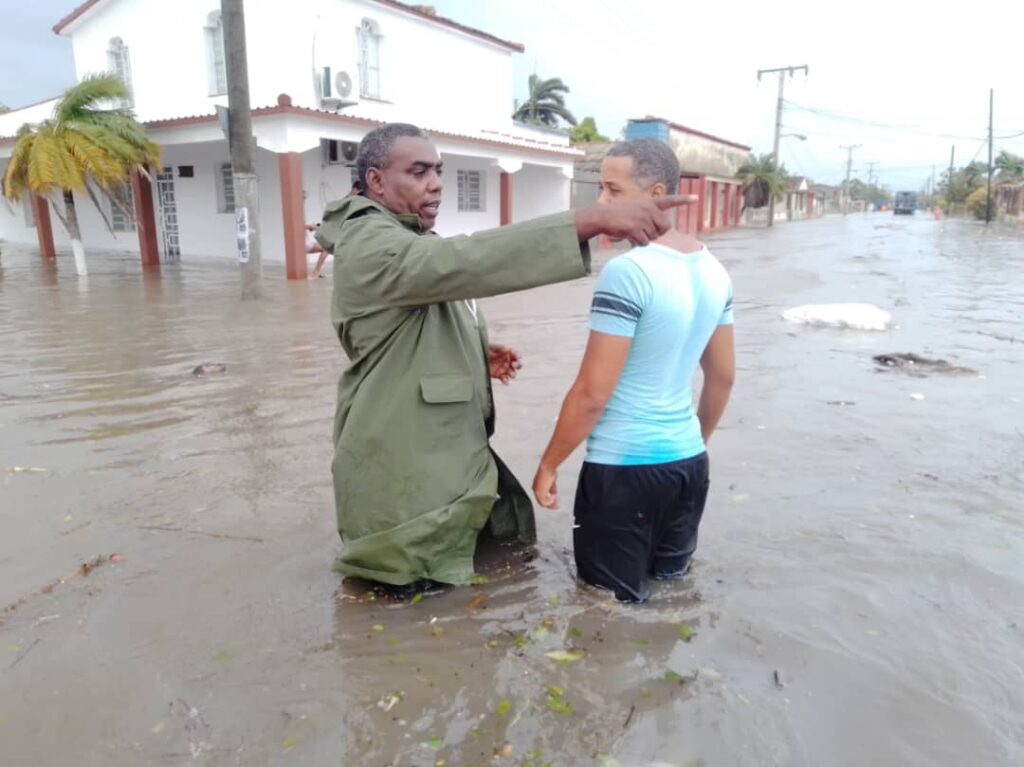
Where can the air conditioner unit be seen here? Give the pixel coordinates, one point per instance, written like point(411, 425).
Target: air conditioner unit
point(340, 152)
point(335, 89)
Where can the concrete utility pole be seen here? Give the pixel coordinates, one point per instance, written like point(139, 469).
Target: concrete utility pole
point(240, 142)
point(949, 183)
point(871, 170)
point(988, 197)
point(781, 71)
point(846, 184)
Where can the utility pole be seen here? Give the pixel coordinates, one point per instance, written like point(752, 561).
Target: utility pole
point(846, 184)
point(871, 170)
point(949, 183)
point(931, 187)
point(781, 71)
point(240, 143)
point(988, 197)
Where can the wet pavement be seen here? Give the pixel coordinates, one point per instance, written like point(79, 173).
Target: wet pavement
point(857, 599)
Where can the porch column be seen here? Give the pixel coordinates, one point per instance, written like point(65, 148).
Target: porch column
point(292, 211)
point(727, 206)
point(738, 204)
point(702, 193)
point(810, 205)
point(145, 217)
point(506, 199)
point(44, 229)
point(714, 205)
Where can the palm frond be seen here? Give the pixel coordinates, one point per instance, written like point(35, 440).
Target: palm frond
point(92, 90)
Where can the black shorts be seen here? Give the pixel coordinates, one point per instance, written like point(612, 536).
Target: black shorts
point(633, 522)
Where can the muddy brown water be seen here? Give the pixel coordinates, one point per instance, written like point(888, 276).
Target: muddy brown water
point(857, 599)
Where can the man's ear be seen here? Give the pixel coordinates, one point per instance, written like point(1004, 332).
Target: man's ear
point(375, 181)
point(659, 190)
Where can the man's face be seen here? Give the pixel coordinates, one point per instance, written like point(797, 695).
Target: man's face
point(619, 185)
point(411, 183)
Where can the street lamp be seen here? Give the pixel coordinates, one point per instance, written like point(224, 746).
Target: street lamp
point(800, 136)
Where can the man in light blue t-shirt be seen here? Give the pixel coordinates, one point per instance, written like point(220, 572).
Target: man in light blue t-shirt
point(658, 311)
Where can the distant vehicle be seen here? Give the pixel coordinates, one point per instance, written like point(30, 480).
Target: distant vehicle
point(906, 203)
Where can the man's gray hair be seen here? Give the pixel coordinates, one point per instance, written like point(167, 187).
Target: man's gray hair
point(653, 162)
point(375, 148)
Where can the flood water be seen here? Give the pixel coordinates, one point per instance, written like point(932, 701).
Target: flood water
point(857, 597)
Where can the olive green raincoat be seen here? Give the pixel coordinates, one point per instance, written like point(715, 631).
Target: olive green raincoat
point(415, 480)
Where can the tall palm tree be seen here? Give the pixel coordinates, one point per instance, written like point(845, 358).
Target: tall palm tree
point(972, 174)
point(761, 178)
point(82, 144)
point(545, 104)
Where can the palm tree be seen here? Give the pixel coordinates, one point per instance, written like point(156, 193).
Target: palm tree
point(761, 178)
point(545, 104)
point(973, 173)
point(82, 144)
point(1010, 167)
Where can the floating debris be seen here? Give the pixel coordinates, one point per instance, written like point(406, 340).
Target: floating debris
point(918, 366)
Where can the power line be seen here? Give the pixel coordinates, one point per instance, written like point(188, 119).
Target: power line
point(871, 123)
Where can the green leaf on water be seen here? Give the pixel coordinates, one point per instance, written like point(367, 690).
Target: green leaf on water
point(566, 656)
point(556, 692)
point(540, 632)
point(504, 707)
point(435, 743)
point(478, 580)
point(492, 643)
point(575, 633)
point(553, 601)
point(223, 656)
point(288, 744)
point(686, 633)
point(672, 676)
point(378, 627)
point(522, 640)
point(608, 761)
point(559, 706)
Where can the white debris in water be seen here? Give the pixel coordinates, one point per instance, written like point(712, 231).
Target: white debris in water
point(917, 396)
point(851, 316)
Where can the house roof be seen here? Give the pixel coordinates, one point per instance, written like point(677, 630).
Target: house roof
point(692, 132)
point(421, 11)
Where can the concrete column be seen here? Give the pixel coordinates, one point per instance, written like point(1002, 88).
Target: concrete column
point(44, 229)
point(727, 206)
point(292, 211)
point(145, 216)
point(702, 193)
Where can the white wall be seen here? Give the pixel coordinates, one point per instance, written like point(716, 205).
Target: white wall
point(426, 69)
point(539, 191)
point(11, 121)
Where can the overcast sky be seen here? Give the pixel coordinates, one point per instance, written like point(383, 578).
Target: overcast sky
point(905, 80)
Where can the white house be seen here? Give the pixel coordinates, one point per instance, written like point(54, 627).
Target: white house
point(322, 73)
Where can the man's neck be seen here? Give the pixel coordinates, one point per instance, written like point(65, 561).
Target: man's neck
point(683, 243)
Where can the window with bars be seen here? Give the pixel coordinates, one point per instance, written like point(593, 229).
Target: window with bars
point(216, 61)
point(225, 189)
point(122, 209)
point(368, 37)
point(471, 190)
point(119, 63)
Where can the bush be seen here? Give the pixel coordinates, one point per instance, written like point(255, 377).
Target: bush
point(977, 202)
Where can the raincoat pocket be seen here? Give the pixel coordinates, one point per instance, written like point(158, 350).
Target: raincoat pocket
point(446, 388)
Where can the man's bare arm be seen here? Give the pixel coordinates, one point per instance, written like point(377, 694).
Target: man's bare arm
point(719, 365)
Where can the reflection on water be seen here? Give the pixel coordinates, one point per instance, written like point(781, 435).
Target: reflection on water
point(857, 596)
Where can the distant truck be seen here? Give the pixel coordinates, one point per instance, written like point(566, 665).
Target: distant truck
point(906, 203)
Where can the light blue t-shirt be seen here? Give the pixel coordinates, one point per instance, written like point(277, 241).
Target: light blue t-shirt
point(669, 303)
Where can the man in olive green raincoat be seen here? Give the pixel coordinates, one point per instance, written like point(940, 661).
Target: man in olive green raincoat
point(415, 480)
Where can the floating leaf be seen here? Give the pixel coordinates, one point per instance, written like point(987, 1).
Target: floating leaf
point(435, 743)
point(608, 761)
point(522, 640)
point(566, 656)
point(553, 601)
point(440, 763)
point(556, 691)
point(686, 633)
point(478, 580)
point(492, 643)
point(288, 744)
point(559, 706)
point(672, 676)
point(504, 707)
point(378, 627)
point(437, 631)
point(223, 656)
point(575, 633)
point(540, 632)
point(417, 598)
